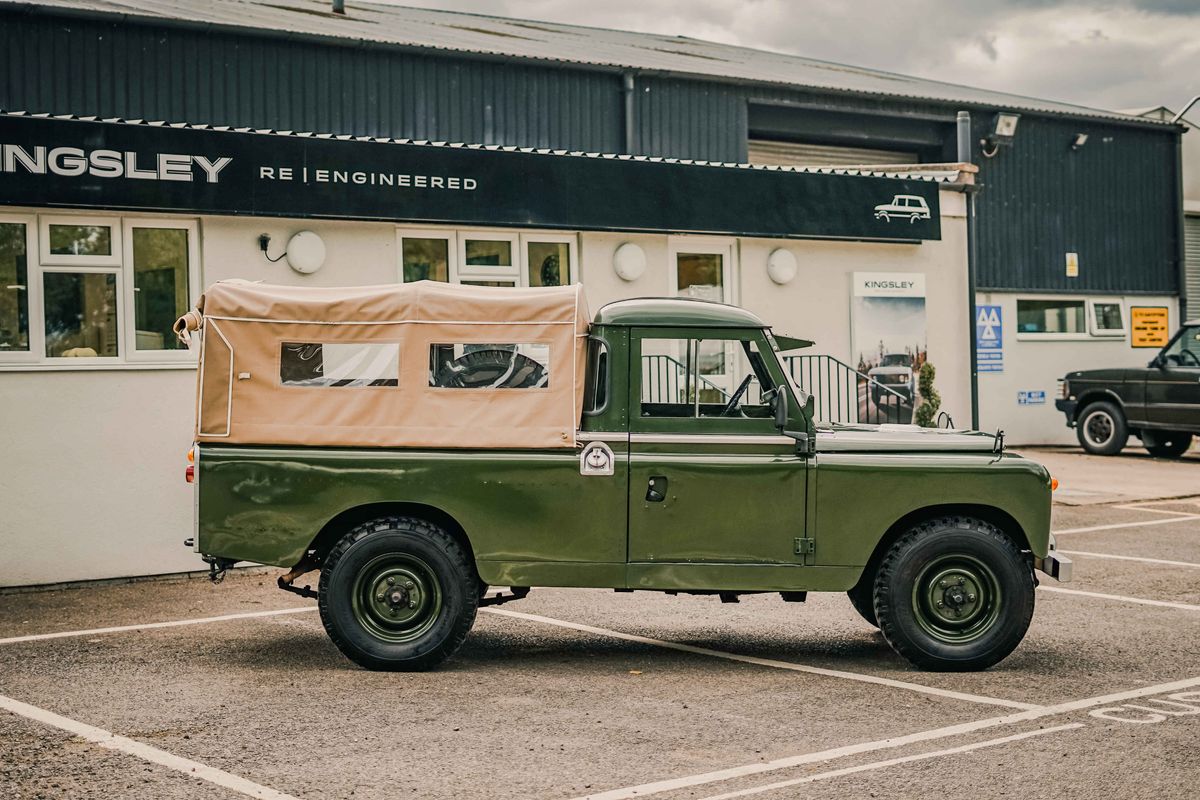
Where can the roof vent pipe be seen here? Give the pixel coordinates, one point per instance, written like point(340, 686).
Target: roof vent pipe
point(339, 6)
point(964, 137)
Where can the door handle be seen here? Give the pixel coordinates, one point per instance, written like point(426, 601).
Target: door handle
point(656, 489)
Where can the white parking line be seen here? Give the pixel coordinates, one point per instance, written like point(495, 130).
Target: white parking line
point(112, 741)
point(1141, 559)
point(1121, 598)
point(767, 662)
point(837, 773)
point(36, 637)
point(1119, 525)
point(673, 784)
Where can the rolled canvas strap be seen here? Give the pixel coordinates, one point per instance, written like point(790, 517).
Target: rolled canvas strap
point(191, 321)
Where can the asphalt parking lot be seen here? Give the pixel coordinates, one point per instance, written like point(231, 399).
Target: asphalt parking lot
point(177, 688)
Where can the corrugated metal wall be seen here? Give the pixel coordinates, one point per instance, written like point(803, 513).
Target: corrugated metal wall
point(136, 71)
point(1192, 231)
point(1114, 202)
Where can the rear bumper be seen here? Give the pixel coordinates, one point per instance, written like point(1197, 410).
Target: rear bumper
point(1067, 407)
point(1055, 564)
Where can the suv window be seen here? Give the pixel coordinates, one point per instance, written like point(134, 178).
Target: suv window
point(1185, 350)
point(692, 377)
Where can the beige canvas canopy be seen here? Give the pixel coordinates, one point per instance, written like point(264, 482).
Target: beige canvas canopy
point(422, 364)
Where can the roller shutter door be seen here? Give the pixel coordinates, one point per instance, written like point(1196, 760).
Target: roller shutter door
point(799, 154)
point(1191, 232)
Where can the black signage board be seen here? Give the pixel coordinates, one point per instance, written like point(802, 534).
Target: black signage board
point(130, 166)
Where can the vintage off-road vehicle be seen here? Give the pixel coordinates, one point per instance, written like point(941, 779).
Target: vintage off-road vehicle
point(420, 443)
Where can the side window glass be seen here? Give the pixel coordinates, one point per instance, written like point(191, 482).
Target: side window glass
point(489, 366)
point(339, 364)
point(596, 391)
point(678, 379)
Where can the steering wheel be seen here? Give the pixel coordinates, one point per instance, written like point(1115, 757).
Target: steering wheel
point(727, 411)
point(1191, 359)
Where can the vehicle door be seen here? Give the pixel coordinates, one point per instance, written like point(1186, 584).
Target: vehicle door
point(711, 479)
point(1173, 382)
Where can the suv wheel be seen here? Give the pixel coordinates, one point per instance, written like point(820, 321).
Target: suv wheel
point(398, 593)
point(1168, 444)
point(954, 594)
point(1101, 429)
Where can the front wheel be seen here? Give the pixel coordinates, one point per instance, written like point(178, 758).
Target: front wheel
point(954, 594)
point(398, 593)
point(1102, 430)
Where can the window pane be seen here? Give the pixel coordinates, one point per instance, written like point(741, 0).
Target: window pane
point(595, 394)
point(81, 314)
point(549, 263)
point(426, 260)
point(1189, 341)
point(700, 275)
point(14, 289)
point(488, 253)
point(160, 286)
point(339, 364)
point(489, 366)
point(1051, 316)
point(81, 240)
point(1108, 317)
point(668, 378)
point(672, 369)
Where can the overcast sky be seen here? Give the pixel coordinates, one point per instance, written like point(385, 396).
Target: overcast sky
point(1101, 53)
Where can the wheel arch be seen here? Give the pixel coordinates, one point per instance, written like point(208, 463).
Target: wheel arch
point(350, 518)
point(1099, 394)
point(1004, 522)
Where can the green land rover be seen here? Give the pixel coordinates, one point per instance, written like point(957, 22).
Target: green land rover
point(418, 444)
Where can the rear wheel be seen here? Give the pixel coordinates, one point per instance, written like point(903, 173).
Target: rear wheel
point(954, 594)
point(1101, 429)
point(398, 593)
point(1168, 444)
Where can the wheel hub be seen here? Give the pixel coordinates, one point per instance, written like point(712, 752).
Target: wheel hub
point(956, 599)
point(397, 597)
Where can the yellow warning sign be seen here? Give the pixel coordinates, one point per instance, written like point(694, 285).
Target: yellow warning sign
point(1148, 326)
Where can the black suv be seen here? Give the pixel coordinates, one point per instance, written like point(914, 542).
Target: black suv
point(1159, 403)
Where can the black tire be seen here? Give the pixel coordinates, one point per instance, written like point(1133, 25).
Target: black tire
point(1101, 429)
point(1169, 444)
point(398, 593)
point(863, 602)
point(501, 369)
point(954, 594)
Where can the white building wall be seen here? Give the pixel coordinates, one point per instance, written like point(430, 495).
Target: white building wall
point(92, 474)
point(1035, 363)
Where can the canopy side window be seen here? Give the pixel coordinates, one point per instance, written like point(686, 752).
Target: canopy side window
point(508, 365)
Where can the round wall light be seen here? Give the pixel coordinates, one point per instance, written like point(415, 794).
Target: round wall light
point(781, 266)
point(629, 261)
point(306, 252)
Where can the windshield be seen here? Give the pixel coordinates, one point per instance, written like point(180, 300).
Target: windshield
point(1184, 350)
point(896, 360)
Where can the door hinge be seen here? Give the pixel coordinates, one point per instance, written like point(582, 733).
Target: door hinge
point(806, 547)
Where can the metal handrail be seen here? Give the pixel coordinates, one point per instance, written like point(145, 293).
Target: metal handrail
point(657, 374)
point(843, 394)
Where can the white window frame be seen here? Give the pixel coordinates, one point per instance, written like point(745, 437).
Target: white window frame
point(122, 348)
point(1093, 327)
point(129, 302)
point(512, 270)
point(572, 242)
point(448, 234)
point(727, 248)
point(1030, 336)
point(114, 259)
point(33, 294)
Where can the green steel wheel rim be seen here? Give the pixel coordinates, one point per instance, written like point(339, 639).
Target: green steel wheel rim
point(956, 599)
point(396, 597)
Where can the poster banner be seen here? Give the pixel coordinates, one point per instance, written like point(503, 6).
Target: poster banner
point(1148, 326)
point(888, 336)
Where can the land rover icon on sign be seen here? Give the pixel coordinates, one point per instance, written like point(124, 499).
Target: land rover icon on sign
point(903, 206)
point(418, 443)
